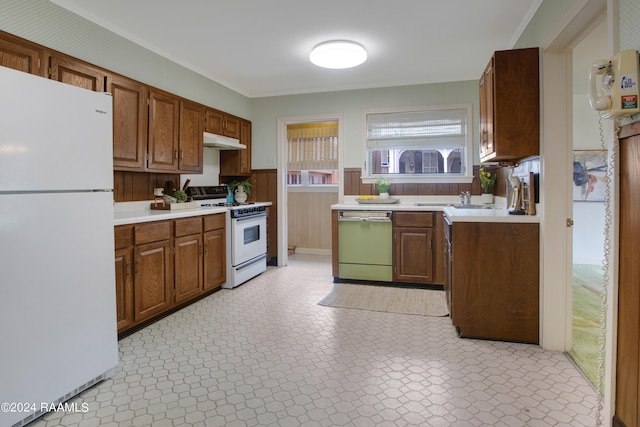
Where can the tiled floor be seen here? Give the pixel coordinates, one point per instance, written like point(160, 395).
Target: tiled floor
point(266, 354)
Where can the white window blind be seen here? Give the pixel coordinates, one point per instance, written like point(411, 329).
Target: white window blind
point(313, 146)
point(417, 129)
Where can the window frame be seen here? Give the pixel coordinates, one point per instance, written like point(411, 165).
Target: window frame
point(368, 178)
point(304, 184)
point(304, 181)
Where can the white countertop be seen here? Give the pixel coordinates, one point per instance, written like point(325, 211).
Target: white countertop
point(137, 212)
point(498, 212)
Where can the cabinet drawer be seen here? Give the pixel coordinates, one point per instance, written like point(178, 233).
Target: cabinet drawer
point(152, 232)
point(214, 222)
point(123, 235)
point(187, 226)
point(413, 219)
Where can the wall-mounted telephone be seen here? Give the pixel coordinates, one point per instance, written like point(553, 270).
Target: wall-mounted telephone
point(619, 92)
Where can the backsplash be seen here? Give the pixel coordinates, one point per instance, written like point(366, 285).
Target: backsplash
point(135, 186)
point(523, 170)
point(353, 185)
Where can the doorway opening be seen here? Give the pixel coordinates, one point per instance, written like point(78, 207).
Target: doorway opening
point(588, 210)
point(556, 189)
point(309, 182)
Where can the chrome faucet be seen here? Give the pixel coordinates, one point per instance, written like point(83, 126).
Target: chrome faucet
point(465, 198)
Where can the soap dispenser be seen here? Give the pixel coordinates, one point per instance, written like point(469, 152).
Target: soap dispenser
point(230, 198)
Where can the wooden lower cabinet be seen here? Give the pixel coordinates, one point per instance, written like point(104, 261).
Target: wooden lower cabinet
point(418, 247)
point(188, 265)
point(495, 280)
point(215, 249)
point(418, 252)
point(124, 288)
point(152, 282)
point(162, 265)
point(413, 247)
point(188, 258)
point(123, 237)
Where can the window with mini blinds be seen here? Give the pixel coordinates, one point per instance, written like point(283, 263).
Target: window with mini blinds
point(312, 154)
point(421, 144)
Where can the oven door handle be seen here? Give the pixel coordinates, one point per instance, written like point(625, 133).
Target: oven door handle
point(250, 262)
point(246, 218)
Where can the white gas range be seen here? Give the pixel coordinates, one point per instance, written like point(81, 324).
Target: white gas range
point(246, 233)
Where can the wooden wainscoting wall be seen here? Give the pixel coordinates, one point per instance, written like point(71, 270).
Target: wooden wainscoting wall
point(264, 188)
point(309, 214)
point(138, 186)
point(628, 351)
point(353, 185)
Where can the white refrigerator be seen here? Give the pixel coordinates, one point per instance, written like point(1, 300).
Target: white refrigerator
point(58, 333)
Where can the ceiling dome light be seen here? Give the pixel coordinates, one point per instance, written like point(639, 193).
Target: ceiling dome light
point(338, 54)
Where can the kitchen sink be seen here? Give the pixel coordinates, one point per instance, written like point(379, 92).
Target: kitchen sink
point(457, 206)
point(472, 206)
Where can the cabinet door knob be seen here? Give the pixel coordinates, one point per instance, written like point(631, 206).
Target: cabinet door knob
point(484, 135)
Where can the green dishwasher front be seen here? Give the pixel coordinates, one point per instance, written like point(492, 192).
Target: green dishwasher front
point(365, 248)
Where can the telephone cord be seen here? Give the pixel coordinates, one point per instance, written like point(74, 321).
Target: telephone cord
point(609, 161)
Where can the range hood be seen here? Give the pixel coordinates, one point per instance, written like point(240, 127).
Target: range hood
point(222, 142)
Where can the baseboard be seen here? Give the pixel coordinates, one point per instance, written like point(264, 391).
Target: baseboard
point(432, 286)
point(617, 422)
point(312, 251)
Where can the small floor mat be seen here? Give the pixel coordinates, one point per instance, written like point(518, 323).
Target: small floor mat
point(422, 302)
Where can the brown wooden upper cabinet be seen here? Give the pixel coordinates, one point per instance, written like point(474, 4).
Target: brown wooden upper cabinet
point(222, 124)
point(168, 131)
point(162, 148)
point(191, 137)
point(21, 56)
point(153, 130)
point(130, 115)
point(238, 162)
point(510, 106)
point(76, 73)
